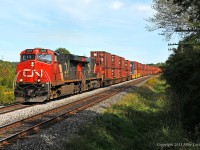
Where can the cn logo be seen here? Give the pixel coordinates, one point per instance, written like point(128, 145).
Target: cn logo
point(32, 73)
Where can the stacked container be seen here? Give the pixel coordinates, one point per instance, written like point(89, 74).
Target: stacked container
point(139, 69)
point(115, 66)
point(136, 69)
point(115, 61)
point(122, 67)
point(145, 70)
point(105, 58)
point(132, 68)
point(150, 70)
point(153, 70)
point(127, 67)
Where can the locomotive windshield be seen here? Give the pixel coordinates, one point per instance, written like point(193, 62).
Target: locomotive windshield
point(28, 57)
point(45, 57)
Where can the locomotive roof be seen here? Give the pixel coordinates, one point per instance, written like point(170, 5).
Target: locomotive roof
point(41, 49)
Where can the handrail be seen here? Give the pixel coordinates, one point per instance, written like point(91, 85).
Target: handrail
point(14, 81)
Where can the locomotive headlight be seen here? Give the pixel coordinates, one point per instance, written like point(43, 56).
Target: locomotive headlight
point(32, 64)
point(38, 80)
point(21, 80)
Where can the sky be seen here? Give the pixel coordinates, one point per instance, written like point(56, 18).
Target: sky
point(81, 26)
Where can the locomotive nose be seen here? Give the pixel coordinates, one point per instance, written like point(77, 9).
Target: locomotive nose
point(32, 73)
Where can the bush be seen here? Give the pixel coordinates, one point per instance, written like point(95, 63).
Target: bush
point(7, 75)
point(182, 72)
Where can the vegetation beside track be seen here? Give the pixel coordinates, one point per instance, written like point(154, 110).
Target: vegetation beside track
point(7, 75)
point(143, 119)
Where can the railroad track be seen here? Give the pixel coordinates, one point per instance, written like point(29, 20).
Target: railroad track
point(24, 127)
point(13, 107)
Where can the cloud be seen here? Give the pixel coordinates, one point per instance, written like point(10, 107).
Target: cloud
point(116, 5)
point(143, 8)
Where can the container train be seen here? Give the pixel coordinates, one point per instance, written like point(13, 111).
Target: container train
point(43, 74)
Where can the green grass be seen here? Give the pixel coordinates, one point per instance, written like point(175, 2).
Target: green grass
point(141, 120)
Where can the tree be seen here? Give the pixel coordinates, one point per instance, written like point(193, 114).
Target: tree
point(182, 74)
point(193, 9)
point(62, 50)
point(171, 15)
point(182, 67)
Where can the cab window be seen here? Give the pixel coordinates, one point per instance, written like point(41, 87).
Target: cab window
point(28, 57)
point(45, 58)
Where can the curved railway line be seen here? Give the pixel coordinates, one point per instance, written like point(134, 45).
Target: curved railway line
point(10, 132)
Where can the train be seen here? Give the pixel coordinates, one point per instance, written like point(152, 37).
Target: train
point(43, 74)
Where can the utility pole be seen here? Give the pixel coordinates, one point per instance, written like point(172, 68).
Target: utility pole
point(188, 30)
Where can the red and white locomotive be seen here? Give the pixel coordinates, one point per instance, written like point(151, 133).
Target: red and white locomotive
point(43, 74)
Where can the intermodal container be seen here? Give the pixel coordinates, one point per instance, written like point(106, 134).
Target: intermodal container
point(131, 72)
point(122, 73)
point(145, 72)
point(139, 66)
point(115, 73)
point(135, 65)
point(107, 73)
point(133, 76)
point(132, 67)
point(144, 67)
point(140, 72)
point(127, 72)
point(122, 63)
point(105, 57)
point(148, 67)
point(135, 73)
point(127, 65)
point(115, 61)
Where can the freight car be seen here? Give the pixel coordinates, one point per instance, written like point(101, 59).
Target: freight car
point(43, 74)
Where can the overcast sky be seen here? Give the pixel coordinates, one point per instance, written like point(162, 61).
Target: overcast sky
point(81, 26)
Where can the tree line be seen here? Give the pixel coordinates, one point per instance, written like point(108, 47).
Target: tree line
point(182, 69)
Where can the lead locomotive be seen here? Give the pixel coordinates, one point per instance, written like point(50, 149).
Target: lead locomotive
point(43, 74)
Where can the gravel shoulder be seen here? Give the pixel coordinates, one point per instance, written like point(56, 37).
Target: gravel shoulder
point(56, 135)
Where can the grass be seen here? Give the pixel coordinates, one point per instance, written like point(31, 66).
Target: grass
point(140, 120)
